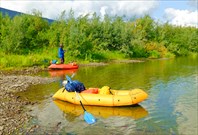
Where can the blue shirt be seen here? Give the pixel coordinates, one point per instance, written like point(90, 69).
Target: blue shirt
point(60, 53)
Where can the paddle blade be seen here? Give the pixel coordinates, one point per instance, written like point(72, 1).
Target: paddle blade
point(89, 118)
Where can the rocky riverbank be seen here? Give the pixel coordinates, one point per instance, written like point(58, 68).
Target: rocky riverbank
point(14, 112)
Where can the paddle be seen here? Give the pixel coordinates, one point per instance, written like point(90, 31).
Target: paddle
point(89, 118)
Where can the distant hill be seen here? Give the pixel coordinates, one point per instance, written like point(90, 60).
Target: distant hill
point(12, 14)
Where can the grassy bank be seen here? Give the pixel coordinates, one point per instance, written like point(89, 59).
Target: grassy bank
point(43, 58)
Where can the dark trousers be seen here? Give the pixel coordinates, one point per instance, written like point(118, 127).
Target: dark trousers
point(62, 60)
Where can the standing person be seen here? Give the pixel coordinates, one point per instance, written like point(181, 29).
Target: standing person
point(61, 54)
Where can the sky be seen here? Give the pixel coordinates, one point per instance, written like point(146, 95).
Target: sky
point(176, 12)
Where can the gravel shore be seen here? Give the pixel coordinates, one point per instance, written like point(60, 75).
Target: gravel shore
point(13, 109)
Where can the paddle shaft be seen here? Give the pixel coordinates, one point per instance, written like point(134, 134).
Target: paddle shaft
point(80, 101)
point(82, 106)
point(87, 116)
point(76, 92)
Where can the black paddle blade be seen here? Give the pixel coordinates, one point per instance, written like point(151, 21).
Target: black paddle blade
point(89, 118)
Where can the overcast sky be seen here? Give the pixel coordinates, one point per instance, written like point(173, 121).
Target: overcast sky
point(177, 12)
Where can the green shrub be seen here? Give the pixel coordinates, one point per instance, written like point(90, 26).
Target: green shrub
point(169, 55)
point(154, 54)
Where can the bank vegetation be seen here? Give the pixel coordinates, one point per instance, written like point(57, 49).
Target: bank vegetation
point(29, 40)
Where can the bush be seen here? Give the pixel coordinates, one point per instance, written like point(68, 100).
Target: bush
point(154, 49)
point(154, 54)
point(169, 55)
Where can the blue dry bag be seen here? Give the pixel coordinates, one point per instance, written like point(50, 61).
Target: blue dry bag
point(54, 61)
point(75, 85)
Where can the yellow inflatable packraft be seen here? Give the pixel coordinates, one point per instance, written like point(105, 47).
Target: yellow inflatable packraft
point(105, 97)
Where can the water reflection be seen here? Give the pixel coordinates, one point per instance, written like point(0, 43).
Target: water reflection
point(171, 108)
point(71, 111)
point(60, 73)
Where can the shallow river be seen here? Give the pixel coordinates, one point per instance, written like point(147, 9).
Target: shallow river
point(171, 108)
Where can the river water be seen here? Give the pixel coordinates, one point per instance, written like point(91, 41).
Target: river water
point(171, 108)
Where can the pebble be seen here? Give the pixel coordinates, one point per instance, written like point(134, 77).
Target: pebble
point(12, 116)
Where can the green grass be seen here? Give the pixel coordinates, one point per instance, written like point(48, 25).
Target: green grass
point(38, 58)
point(109, 55)
point(17, 61)
point(43, 58)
